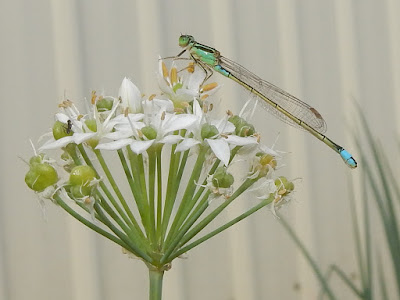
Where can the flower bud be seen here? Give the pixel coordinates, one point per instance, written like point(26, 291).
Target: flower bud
point(284, 186)
point(78, 192)
point(40, 175)
point(80, 179)
point(82, 176)
point(243, 128)
point(36, 160)
point(208, 131)
point(222, 179)
point(91, 124)
point(267, 159)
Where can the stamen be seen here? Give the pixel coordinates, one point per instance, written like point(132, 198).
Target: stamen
point(190, 67)
point(174, 76)
point(94, 96)
point(88, 200)
point(209, 86)
point(152, 96)
point(185, 104)
point(178, 110)
point(164, 70)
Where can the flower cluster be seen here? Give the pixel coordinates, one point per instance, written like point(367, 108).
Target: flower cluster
point(176, 154)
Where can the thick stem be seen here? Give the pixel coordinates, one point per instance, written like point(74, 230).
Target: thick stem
point(156, 279)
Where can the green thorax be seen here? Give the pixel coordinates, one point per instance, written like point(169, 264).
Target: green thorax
point(205, 54)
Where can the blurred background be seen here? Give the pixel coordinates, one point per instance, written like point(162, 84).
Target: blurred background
point(332, 54)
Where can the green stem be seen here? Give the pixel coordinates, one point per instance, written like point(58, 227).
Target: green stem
point(156, 280)
point(132, 187)
point(89, 224)
point(140, 189)
point(189, 206)
point(188, 195)
point(151, 183)
point(222, 228)
point(176, 239)
point(169, 198)
point(131, 220)
point(207, 220)
point(159, 195)
point(133, 244)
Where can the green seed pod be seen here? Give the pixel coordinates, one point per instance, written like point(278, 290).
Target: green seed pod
point(61, 130)
point(36, 160)
point(222, 178)
point(78, 192)
point(149, 132)
point(91, 124)
point(41, 176)
point(104, 104)
point(243, 128)
point(284, 185)
point(82, 176)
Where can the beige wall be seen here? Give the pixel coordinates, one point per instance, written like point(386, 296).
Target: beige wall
point(327, 52)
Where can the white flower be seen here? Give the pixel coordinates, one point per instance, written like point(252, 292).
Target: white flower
point(185, 88)
point(80, 128)
point(162, 126)
point(221, 142)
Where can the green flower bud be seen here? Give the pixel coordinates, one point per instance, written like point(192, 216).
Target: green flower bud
point(36, 159)
point(104, 104)
point(208, 131)
point(243, 128)
point(40, 176)
point(235, 120)
point(268, 159)
point(283, 185)
point(91, 124)
point(222, 179)
point(82, 176)
point(78, 192)
point(61, 130)
point(149, 132)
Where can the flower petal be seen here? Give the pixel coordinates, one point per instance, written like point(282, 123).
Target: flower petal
point(81, 137)
point(141, 146)
point(170, 139)
point(177, 122)
point(186, 144)
point(115, 145)
point(130, 96)
point(241, 141)
point(57, 144)
point(221, 150)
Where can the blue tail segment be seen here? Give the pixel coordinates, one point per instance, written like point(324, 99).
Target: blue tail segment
point(348, 158)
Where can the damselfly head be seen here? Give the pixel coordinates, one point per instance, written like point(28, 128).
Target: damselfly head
point(185, 40)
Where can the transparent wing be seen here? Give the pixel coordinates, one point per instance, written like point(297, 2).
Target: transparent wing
point(291, 104)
